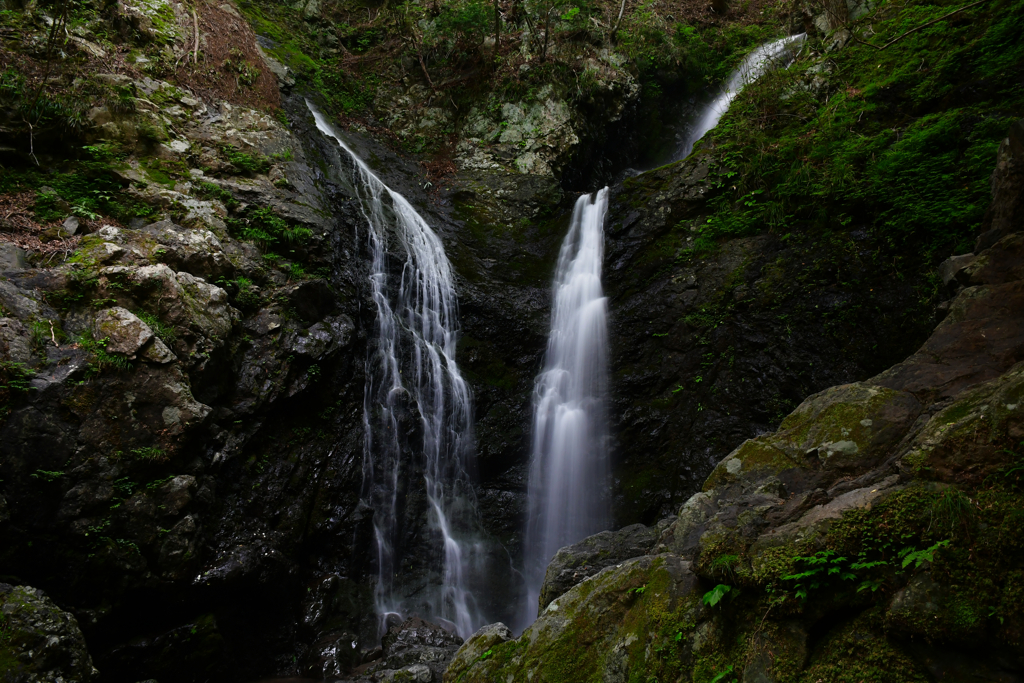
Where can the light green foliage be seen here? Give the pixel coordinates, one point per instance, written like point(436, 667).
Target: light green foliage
point(919, 557)
point(100, 359)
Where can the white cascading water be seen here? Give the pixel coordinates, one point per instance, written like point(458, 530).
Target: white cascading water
point(776, 54)
point(569, 464)
point(413, 368)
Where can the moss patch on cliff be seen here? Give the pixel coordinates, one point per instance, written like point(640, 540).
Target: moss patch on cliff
point(899, 142)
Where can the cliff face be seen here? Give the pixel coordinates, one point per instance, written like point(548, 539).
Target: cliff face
point(184, 319)
point(873, 536)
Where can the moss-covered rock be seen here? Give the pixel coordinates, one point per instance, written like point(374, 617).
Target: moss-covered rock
point(622, 623)
point(39, 643)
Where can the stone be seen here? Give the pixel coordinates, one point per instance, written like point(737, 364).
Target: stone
point(197, 251)
point(18, 302)
point(475, 648)
point(12, 257)
point(817, 520)
point(15, 341)
point(176, 494)
point(41, 643)
point(953, 266)
point(572, 564)
point(837, 430)
point(324, 338)
point(999, 264)
point(419, 642)
point(124, 331)
point(960, 442)
point(332, 656)
point(284, 75)
point(592, 627)
point(70, 225)
point(153, 19)
point(157, 352)
point(980, 338)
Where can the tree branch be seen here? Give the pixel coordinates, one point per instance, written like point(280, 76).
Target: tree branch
point(924, 25)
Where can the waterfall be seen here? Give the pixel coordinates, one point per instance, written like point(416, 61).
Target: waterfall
point(569, 463)
point(411, 373)
point(779, 53)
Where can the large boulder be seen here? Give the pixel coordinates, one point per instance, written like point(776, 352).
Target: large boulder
point(123, 331)
point(574, 563)
point(40, 643)
point(613, 627)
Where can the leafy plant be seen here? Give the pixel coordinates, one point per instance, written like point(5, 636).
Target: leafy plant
point(47, 476)
point(267, 230)
point(244, 162)
point(721, 676)
point(818, 570)
point(166, 332)
point(716, 594)
point(102, 360)
point(919, 557)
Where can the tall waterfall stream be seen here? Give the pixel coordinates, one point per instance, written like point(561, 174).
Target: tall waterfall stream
point(411, 370)
point(569, 464)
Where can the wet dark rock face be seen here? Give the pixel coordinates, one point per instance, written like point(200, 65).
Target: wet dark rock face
point(711, 349)
point(179, 508)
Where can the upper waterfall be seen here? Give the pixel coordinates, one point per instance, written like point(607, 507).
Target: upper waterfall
point(569, 463)
point(778, 53)
point(413, 384)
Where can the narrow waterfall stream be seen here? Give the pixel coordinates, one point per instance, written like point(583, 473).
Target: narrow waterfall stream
point(776, 54)
point(569, 464)
point(411, 373)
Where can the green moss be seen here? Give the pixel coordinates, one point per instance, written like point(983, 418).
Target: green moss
point(754, 455)
point(859, 653)
point(854, 158)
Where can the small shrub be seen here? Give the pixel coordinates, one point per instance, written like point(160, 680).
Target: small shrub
point(244, 162)
point(267, 230)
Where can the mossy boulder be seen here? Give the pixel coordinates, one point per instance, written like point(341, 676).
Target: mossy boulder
point(625, 620)
point(839, 430)
point(40, 643)
point(576, 562)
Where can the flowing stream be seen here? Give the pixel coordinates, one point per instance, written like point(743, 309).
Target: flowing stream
point(412, 379)
point(776, 54)
point(569, 463)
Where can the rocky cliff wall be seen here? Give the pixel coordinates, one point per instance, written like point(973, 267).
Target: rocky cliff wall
point(873, 536)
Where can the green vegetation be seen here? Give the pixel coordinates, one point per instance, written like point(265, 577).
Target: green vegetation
point(243, 293)
point(100, 359)
point(87, 186)
point(880, 143)
point(267, 230)
point(166, 332)
point(248, 164)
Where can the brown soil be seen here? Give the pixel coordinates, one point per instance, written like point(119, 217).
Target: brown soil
point(226, 39)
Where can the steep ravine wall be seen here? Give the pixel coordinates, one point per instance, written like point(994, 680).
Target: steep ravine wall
point(873, 536)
